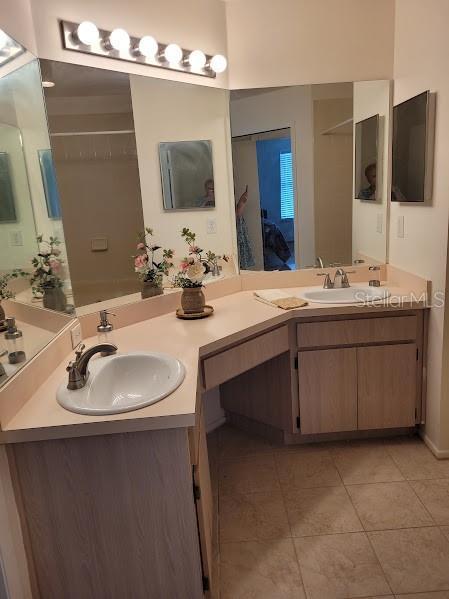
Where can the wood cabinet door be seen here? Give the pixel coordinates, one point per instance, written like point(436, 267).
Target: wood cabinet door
point(328, 390)
point(386, 386)
point(205, 508)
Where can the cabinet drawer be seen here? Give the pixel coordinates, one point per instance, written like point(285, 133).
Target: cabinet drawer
point(353, 332)
point(230, 363)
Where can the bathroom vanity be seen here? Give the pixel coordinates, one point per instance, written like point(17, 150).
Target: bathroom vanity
point(122, 506)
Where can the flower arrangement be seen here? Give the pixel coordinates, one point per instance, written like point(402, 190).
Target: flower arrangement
point(195, 265)
point(47, 266)
point(145, 264)
point(6, 293)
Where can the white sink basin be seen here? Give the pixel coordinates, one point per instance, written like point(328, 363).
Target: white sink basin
point(349, 295)
point(122, 383)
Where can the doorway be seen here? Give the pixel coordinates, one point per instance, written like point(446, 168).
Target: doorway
point(263, 164)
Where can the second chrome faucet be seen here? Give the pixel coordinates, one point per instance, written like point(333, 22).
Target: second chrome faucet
point(340, 279)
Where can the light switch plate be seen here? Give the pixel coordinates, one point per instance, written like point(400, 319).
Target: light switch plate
point(15, 238)
point(400, 223)
point(76, 335)
point(211, 226)
point(379, 223)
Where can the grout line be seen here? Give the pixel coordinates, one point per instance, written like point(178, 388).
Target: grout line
point(421, 502)
point(369, 540)
point(290, 529)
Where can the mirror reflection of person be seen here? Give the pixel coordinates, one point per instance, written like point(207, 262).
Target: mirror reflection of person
point(369, 193)
point(208, 200)
point(246, 257)
point(276, 252)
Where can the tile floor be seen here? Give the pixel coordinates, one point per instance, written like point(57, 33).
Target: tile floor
point(329, 521)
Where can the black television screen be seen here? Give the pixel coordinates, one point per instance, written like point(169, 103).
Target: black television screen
point(366, 151)
point(410, 146)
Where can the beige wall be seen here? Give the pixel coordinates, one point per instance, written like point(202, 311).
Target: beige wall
point(421, 51)
point(371, 98)
point(193, 24)
point(168, 111)
point(308, 41)
point(332, 159)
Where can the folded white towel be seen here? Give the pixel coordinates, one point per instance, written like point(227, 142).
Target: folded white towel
point(278, 298)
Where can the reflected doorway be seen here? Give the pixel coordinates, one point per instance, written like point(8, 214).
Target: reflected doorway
point(263, 166)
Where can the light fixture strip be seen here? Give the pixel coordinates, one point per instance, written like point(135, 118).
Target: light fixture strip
point(103, 48)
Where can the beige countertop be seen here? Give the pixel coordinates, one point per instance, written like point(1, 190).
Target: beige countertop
point(236, 317)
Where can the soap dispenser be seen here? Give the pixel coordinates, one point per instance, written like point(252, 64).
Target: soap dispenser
point(105, 329)
point(14, 342)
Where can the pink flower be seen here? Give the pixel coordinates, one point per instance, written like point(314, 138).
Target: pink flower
point(55, 265)
point(194, 249)
point(140, 261)
point(184, 265)
point(140, 246)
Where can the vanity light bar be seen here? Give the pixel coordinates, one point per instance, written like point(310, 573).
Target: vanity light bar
point(86, 37)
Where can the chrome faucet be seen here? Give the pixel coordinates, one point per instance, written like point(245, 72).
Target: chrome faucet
point(327, 280)
point(78, 372)
point(341, 278)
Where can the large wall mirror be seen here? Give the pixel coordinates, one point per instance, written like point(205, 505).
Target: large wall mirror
point(35, 289)
point(131, 152)
point(294, 157)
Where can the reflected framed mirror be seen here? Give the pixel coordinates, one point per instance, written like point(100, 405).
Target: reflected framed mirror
point(187, 175)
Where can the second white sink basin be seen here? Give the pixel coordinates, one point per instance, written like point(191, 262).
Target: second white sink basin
point(348, 295)
point(122, 383)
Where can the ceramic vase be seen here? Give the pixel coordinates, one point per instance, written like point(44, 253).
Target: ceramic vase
point(54, 299)
point(151, 289)
point(193, 300)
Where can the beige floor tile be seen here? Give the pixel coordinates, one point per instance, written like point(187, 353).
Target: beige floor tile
point(260, 570)
point(367, 462)
point(431, 595)
point(337, 566)
point(248, 475)
point(435, 496)
point(252, 517)
point(416, 461)
point(234, 443)
point(305, 468)
point(414, 559)
point(320, 511)
point(383, 506)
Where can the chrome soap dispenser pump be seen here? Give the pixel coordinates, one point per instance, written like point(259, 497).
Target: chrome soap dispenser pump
point(14, 342)
point(105, 329)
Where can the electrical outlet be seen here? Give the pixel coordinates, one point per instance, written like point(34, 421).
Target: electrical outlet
point(211, 226)
point(15, 238)
point(400, 224)
point(380, 223)
point(76, 335)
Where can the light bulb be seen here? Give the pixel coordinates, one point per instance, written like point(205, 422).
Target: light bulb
point(4, 39)
point(173, 53)
point(218, 63)
point(197, 59)
point(119, 39)
point(48, 84)
point(148, 46)
point(87, 33)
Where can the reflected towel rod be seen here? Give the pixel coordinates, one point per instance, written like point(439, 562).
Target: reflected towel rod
point(71, 133)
